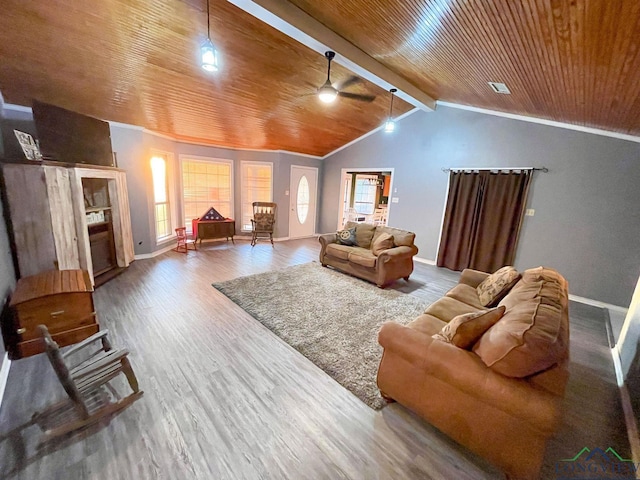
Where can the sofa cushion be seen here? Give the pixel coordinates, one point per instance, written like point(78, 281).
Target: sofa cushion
point(532, 336)
point(363, 257)
point(467, 294)
point(447, 308)
point(401, 238)
point(364, 234)
point(497, 285)
point(465, 330)
point(346, 236)
point(427, 324)
point(339, 251)
point(381, 243)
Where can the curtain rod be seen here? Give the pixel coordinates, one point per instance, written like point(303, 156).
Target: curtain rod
point(456, 169)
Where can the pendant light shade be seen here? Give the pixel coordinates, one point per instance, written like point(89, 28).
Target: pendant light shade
point(390, 124)
point(209, 57)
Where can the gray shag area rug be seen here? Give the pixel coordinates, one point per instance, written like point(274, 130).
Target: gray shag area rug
point(331, 318)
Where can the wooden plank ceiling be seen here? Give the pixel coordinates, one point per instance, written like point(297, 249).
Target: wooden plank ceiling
point(136, 62)
point(572, 61)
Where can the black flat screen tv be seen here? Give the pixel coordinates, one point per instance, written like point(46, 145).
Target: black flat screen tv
point(71, 137)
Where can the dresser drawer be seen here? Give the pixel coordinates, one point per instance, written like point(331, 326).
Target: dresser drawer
point(59, 312)
point(68, 337)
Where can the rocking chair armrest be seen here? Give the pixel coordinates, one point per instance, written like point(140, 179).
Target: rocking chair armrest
point(114, 356)
point(85, 343)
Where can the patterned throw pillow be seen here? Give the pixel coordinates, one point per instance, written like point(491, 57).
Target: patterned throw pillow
point(347, 237)
point(466, 329)
point(382, 243)
point(497, 285)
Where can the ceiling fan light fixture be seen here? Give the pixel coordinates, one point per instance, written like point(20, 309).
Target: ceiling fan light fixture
point(327, 94)
point(209, 56)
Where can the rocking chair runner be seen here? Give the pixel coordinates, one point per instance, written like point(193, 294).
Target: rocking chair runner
point(263, 221)
point(82, 380)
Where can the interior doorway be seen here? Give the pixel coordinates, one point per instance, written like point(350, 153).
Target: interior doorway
point(365, 195)
point(303, 193)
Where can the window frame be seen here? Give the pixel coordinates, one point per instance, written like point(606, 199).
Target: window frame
point(199, 158)
point(243, 190)
point(168, 157)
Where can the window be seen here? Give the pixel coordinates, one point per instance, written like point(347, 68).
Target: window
point(206, 184)
point(365, 194)
point(159, 172)
point(257, 186)
point(302, 199)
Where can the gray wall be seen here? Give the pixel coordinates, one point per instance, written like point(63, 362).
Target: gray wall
point(134, 149)
point(587, 208)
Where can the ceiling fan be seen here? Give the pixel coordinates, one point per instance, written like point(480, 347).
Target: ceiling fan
point(328, 92)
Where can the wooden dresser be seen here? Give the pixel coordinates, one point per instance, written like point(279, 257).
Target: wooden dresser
point(60, 299)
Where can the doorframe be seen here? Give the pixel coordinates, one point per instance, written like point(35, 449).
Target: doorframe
point(315, 210)
point(344, 171)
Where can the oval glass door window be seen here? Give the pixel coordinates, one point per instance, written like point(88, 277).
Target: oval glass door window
point(302, 199)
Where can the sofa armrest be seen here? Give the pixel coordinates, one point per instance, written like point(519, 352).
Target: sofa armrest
point(326, 239)
point(466, 372)
point(396, 253)
point(471, 277)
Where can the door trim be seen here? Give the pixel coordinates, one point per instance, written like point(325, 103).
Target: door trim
point(315, 211)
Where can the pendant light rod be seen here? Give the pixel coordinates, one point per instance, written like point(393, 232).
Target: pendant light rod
point(208, 22)
point(393, 90)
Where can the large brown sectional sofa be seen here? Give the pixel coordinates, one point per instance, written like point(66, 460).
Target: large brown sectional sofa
point(501, 397)
point(364, 261)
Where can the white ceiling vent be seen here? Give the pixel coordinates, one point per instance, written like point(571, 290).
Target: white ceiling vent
point(499, 88)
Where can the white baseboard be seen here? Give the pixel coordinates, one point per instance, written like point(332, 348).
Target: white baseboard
point(4, 375)
point(617, 366)
point(596, 303)
point(424, 260)
point(145, 256)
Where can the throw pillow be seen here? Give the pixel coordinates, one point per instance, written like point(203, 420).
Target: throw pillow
point(382, 243)
point(497, 285)
point(465, 330)
point(347, 237)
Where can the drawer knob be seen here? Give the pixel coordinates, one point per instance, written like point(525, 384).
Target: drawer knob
point(20, 331)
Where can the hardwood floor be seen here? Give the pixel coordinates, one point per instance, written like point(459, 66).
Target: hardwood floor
point(226, 399)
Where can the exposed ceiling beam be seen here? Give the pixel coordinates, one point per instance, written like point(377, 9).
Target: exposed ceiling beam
point(294, 22)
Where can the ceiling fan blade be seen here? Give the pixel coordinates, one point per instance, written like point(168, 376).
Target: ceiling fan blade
point(357, 96)
point(347, 82)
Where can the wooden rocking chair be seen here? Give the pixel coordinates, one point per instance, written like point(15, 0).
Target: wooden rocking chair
point(83, 382)
point(263, 221)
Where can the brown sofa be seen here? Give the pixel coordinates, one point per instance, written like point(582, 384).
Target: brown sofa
point(361, 261)
point(504, 412)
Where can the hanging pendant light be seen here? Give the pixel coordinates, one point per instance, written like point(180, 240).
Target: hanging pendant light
point(390, 124)
point(209, 57)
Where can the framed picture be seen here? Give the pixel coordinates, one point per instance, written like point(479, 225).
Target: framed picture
point(29, 146)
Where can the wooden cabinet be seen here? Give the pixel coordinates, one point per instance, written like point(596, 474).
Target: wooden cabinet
point(48, 218)
point(60, 299)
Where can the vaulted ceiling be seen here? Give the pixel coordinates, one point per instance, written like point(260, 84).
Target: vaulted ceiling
point(136, 62)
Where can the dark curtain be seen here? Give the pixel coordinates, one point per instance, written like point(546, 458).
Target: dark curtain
point(482, 219)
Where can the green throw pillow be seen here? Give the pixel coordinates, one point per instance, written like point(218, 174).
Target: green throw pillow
point(347, 237)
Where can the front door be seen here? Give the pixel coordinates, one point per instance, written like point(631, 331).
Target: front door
point(302, 195)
